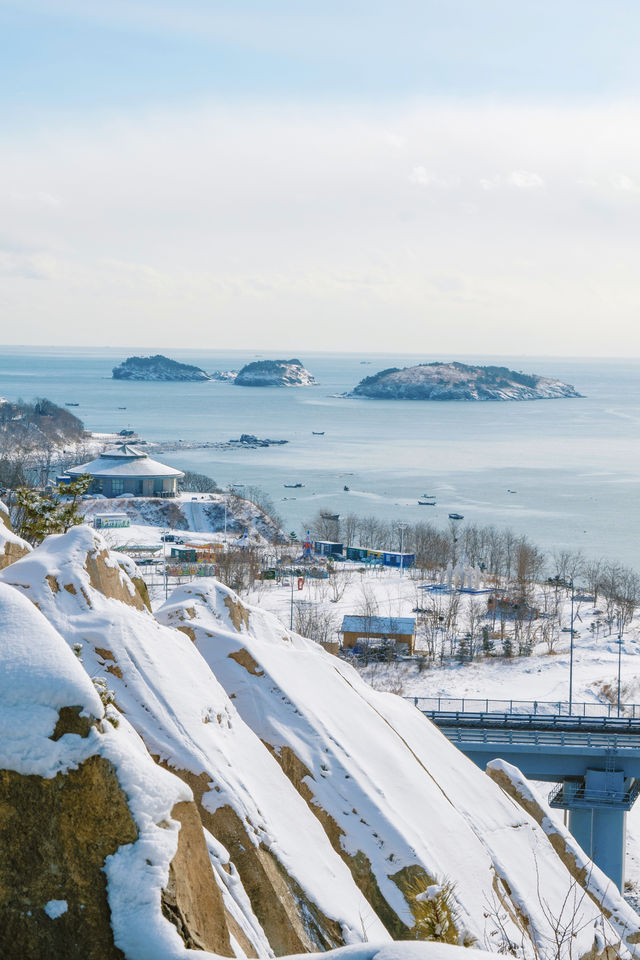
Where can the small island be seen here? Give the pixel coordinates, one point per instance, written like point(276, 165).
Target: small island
point(157, 368)
point(274, 373)
point(459, 381)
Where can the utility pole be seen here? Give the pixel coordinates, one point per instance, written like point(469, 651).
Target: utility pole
point(291, 616)
point(571, 652)
point(164, 554)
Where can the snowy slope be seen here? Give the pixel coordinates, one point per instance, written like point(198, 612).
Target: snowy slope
point(171, 697)
point(385, 781)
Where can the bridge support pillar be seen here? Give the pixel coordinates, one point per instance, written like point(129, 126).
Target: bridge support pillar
point(602, 835)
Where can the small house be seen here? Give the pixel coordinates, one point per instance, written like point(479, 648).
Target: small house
point(328, 548)
point(399, 629)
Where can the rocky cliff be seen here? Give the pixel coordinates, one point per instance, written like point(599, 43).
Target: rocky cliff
point(274, 373)
point(459, 381)
point(157, 368)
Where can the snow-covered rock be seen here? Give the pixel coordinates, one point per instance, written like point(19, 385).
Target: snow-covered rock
point(274, 373)
point(285, 870)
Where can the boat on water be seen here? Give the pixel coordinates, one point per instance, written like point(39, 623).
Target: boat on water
point(122, 408)
point(329, 516)
point(428, 496)
point(346, 488)
point(72, 404)
point(427, 503)
point(318, 433)
point(293, 486)
point(456, 516)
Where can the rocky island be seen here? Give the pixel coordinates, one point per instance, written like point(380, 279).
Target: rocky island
point(274, 373)
point(157, 368)
point(459, 381)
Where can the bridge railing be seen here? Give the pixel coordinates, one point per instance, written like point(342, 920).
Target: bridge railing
point(523, 707)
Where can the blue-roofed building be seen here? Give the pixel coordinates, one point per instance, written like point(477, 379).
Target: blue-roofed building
point(400, 629)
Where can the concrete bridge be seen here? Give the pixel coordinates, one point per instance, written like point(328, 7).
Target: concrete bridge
point(589, 752)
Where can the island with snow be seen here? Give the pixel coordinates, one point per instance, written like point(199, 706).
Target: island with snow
point(459, 381)
point(157, 368)
point(274, 373)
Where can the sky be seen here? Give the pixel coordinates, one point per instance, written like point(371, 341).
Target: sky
point(446, 176)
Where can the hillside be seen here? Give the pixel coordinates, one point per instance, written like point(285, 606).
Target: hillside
point(459, 381)
point(157, 368)
point(274, 373)
point(257, 796)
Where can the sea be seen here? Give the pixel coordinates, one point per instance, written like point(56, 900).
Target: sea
point(566, 473)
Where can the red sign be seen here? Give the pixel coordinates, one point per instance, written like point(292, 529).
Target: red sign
point(300, 583)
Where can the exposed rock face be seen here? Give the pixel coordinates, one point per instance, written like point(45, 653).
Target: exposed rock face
point(12, 547)
point(458, 381)
point(274, 373)
point(56, 835)
point(191, 898)
point(157, 368)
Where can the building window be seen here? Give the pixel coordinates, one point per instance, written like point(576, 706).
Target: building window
point(117, 487)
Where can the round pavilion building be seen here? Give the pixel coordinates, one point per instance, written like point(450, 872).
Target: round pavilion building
point(126, 469)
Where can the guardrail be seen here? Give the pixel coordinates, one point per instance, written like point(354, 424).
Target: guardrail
point(523, 707)
point(538, 721)
point(551, 738)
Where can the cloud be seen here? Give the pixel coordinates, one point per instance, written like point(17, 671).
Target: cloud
point(309, 225)
point(525, 180)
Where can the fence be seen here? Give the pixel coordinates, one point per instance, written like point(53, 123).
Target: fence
point(525, 707)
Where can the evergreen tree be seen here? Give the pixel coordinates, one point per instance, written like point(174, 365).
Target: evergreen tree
point(487, 642)
point(39, 514)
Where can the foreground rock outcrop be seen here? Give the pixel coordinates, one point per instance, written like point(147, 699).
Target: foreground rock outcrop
point(205, 782)
point(459, 381)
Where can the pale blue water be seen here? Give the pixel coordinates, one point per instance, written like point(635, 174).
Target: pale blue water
point(575, 464)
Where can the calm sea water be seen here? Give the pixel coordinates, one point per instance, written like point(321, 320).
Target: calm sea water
point(574, 464)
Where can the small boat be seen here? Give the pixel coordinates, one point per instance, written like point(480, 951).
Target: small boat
point(456, 516)
point(318, 433)
point(72, 404)
point(293, 486)
point(346, 488)
point(329, 516)
point(122, 408)
point(428, 496)
point(427, 503)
